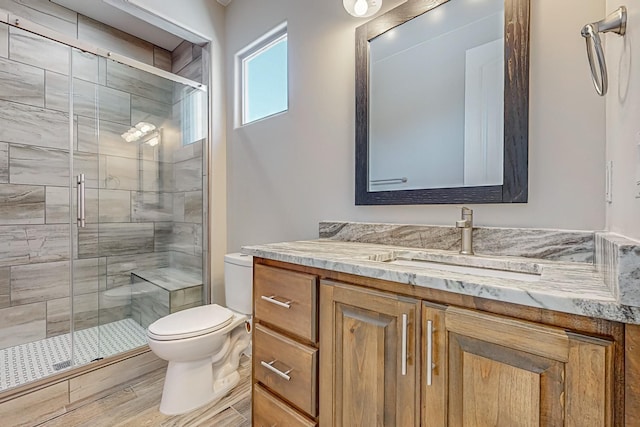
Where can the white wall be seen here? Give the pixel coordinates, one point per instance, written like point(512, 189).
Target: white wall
point(287, 173)
point(623, 122)
point(206, 17)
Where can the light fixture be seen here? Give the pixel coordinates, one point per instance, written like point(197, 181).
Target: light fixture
point(153, 141)
point(142, 131)
point(145, 127)
point(362, 8)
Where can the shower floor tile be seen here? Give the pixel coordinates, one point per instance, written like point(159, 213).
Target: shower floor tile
point(24, 363)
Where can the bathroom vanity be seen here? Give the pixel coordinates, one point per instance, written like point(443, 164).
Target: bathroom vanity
point(365, 334)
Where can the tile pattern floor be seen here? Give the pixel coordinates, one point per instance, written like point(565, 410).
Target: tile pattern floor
point(35, 360)
point(136, 405)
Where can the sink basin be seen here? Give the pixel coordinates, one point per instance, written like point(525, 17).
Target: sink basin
point(464, 264)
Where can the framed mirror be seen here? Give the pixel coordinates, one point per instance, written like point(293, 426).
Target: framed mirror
point(442, 100)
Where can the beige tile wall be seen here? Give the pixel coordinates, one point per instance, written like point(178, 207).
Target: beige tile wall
point(187, 61)
point(107, 37)
point(23, 323)
point(21, 83)
point(5, 287)
point(38, 51)
point(21, 204)
point(45, 13)
point(4, 162)
point(4, 40)
point(182, 55)
point(162, 58)
point(39, 282)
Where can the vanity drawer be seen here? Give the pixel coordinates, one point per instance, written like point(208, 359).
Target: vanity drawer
point(286, 367)
point(270, 411)
point(287, 300)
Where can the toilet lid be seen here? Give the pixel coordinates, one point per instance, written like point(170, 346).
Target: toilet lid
point(190, 322)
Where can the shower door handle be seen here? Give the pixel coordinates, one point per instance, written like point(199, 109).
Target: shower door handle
point(81, 208)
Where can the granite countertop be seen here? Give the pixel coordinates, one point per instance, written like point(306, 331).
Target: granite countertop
point(569, 287)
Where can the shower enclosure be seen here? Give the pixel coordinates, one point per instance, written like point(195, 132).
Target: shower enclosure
point(103, 195)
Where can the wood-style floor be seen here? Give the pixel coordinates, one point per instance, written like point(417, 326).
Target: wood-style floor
point(136, 405)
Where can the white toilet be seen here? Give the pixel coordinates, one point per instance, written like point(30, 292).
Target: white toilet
point(203, 344)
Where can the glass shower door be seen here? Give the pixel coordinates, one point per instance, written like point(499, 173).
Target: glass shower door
point(141, 138)
point(35, 235)
point(89, 267)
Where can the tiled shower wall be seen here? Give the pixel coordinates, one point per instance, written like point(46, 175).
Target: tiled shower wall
point(149, 212)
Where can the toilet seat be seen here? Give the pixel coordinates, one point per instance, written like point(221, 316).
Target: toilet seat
point(190, 323)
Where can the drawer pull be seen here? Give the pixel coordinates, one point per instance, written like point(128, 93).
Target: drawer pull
point(272, 299)
point(275, 370)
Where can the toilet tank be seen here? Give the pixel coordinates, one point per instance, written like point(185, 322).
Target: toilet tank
point(238, 282)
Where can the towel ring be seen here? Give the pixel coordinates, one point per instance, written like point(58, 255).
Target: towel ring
point(616, 22)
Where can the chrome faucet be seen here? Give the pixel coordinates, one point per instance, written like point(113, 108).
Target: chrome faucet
point(466, 230)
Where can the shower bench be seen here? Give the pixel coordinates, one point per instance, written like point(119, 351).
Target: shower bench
point(162, 291)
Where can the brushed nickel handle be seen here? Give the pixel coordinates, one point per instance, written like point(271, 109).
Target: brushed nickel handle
point(269, 366)
point(272, 299)
point(81, 202)
point(388, 181)
point(430, 364)
point(615, 22)
point(592, 38)
point(404, 344)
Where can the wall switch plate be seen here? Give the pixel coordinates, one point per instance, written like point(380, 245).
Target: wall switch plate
point(637, 187)
point(608, 185)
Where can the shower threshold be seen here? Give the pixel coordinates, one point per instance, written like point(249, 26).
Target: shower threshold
point(33, 361)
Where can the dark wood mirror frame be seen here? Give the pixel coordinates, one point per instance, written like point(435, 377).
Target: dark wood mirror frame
point(516, 113)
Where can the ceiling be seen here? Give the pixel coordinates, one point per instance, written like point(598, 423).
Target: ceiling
point(113, 16)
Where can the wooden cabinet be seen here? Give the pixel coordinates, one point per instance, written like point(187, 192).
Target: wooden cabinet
point(367, 352)
point(285, 354)
point(368, 357)
point(487, 370)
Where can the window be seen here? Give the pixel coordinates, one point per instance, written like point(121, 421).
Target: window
point(193, 107)
point(264, 77)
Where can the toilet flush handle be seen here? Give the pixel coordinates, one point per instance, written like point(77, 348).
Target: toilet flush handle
point(272, 299)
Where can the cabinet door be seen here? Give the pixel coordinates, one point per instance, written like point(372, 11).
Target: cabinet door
point(506, 372)
point(368, 358)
